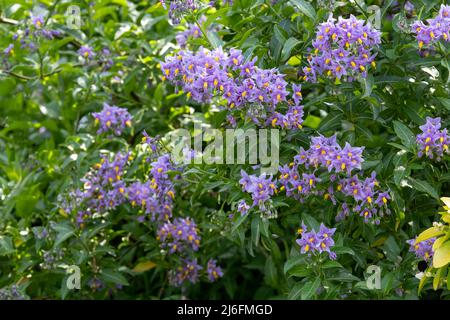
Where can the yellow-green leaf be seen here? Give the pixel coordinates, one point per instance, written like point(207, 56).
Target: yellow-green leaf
point(422, 283)
point(446, 217)
point(442, 255)
point(446, 201)
point(294, 60)
point(437, 279)
point(448, 280)
point(439, 241)
point(144, 266)
point(429, 233)
point(379, 242)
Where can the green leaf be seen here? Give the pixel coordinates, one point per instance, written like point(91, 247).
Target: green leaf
point(445, 102)
point(144, 266)
point(270, 272)
point(437, 278)
point(445, 62)
point(64, 231)
point(405, 134)
point(110, 275)
point(448, 280)
point(256, 231)
point(367, 86)
point(312, 122)
point(342, 250)
point(310, 221)
point(392, 249)
point(331, 122)
point(6, 246)
point(305, 8)
point(292, 262)
point(295, 292)
point(331, 264)
point(287, 48)
point(301, 271)
point(424, 186)
point(239, 221)
point(310, 288)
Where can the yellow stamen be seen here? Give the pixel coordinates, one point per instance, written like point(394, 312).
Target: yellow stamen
point(274, 122)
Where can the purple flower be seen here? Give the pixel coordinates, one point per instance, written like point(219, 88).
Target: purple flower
point(342, 47)
point(423, 249)
point(179, 235)
point(243, 207)
point(156, 195)
point(192, 31)
point(38, 22)
point(96, 284)
point(312, 242)
point(433, 142)
point(178, 8)
point(297, 93)
point(260, 188)
point(435, 29)
point(214, 271)
point(188, 271)
point(86, 52)
point(9, 51)
point(103, 189)
point(409, 7)
point(112, 119)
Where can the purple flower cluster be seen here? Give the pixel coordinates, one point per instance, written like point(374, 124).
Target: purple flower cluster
point(103, 189)
point(205, 75)
point(317, 242)
point(36, 31)
point(261, 188)
point(433, 142)
point(214, 271)
point(112, 119)
point(156, 195)
point(177, 8)
point(12, 293)
point(300, 179)
point(327, 153)
point(435, 29)
point(342, 48)
point(179, 235)
point(423, 249)
point(188, 271)
point(370, 203)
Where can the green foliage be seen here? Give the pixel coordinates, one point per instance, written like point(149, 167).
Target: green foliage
point(48, 142)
